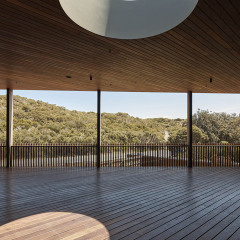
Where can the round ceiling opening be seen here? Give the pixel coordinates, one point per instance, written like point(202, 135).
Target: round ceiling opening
point(128, 19)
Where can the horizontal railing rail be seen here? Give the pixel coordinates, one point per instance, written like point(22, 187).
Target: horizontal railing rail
point(149, 155)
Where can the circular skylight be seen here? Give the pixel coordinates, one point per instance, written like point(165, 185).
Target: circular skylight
point(128, 19)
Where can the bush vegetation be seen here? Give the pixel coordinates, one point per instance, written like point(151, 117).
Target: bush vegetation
point(43, 123)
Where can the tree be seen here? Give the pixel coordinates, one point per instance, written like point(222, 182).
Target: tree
point(218, 126)
point(180, 136)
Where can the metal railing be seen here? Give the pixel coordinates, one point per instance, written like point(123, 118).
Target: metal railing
point(3, 156)
point(52, 155)
point(160, 155)
point(144, 155)
point(216, 155)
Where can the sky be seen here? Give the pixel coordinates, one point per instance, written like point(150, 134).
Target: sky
point(143, 105)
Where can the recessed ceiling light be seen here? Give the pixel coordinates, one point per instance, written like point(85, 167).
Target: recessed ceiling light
point(128, 19)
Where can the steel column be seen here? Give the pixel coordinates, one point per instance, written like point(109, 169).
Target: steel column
point(9, 137)
point(189, 129)
point(98, 128)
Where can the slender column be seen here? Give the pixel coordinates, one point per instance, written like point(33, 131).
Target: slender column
point(189, 129)
point(98, 128)
point(9, 138)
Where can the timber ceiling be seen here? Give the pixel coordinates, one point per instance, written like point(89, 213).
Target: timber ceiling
point(40, 46)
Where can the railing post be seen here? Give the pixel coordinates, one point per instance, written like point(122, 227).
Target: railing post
point(189, 129)
point(98, 128)
point(9, 132)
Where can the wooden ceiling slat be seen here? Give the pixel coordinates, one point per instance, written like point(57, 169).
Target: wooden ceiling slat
point(111, 60)
point(40, 45)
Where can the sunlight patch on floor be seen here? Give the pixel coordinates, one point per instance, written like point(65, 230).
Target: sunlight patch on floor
point(54, 225)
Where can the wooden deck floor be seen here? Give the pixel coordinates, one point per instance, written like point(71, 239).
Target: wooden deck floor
point(140, 203)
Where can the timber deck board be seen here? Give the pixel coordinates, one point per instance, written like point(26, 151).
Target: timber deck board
point(132, 203)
